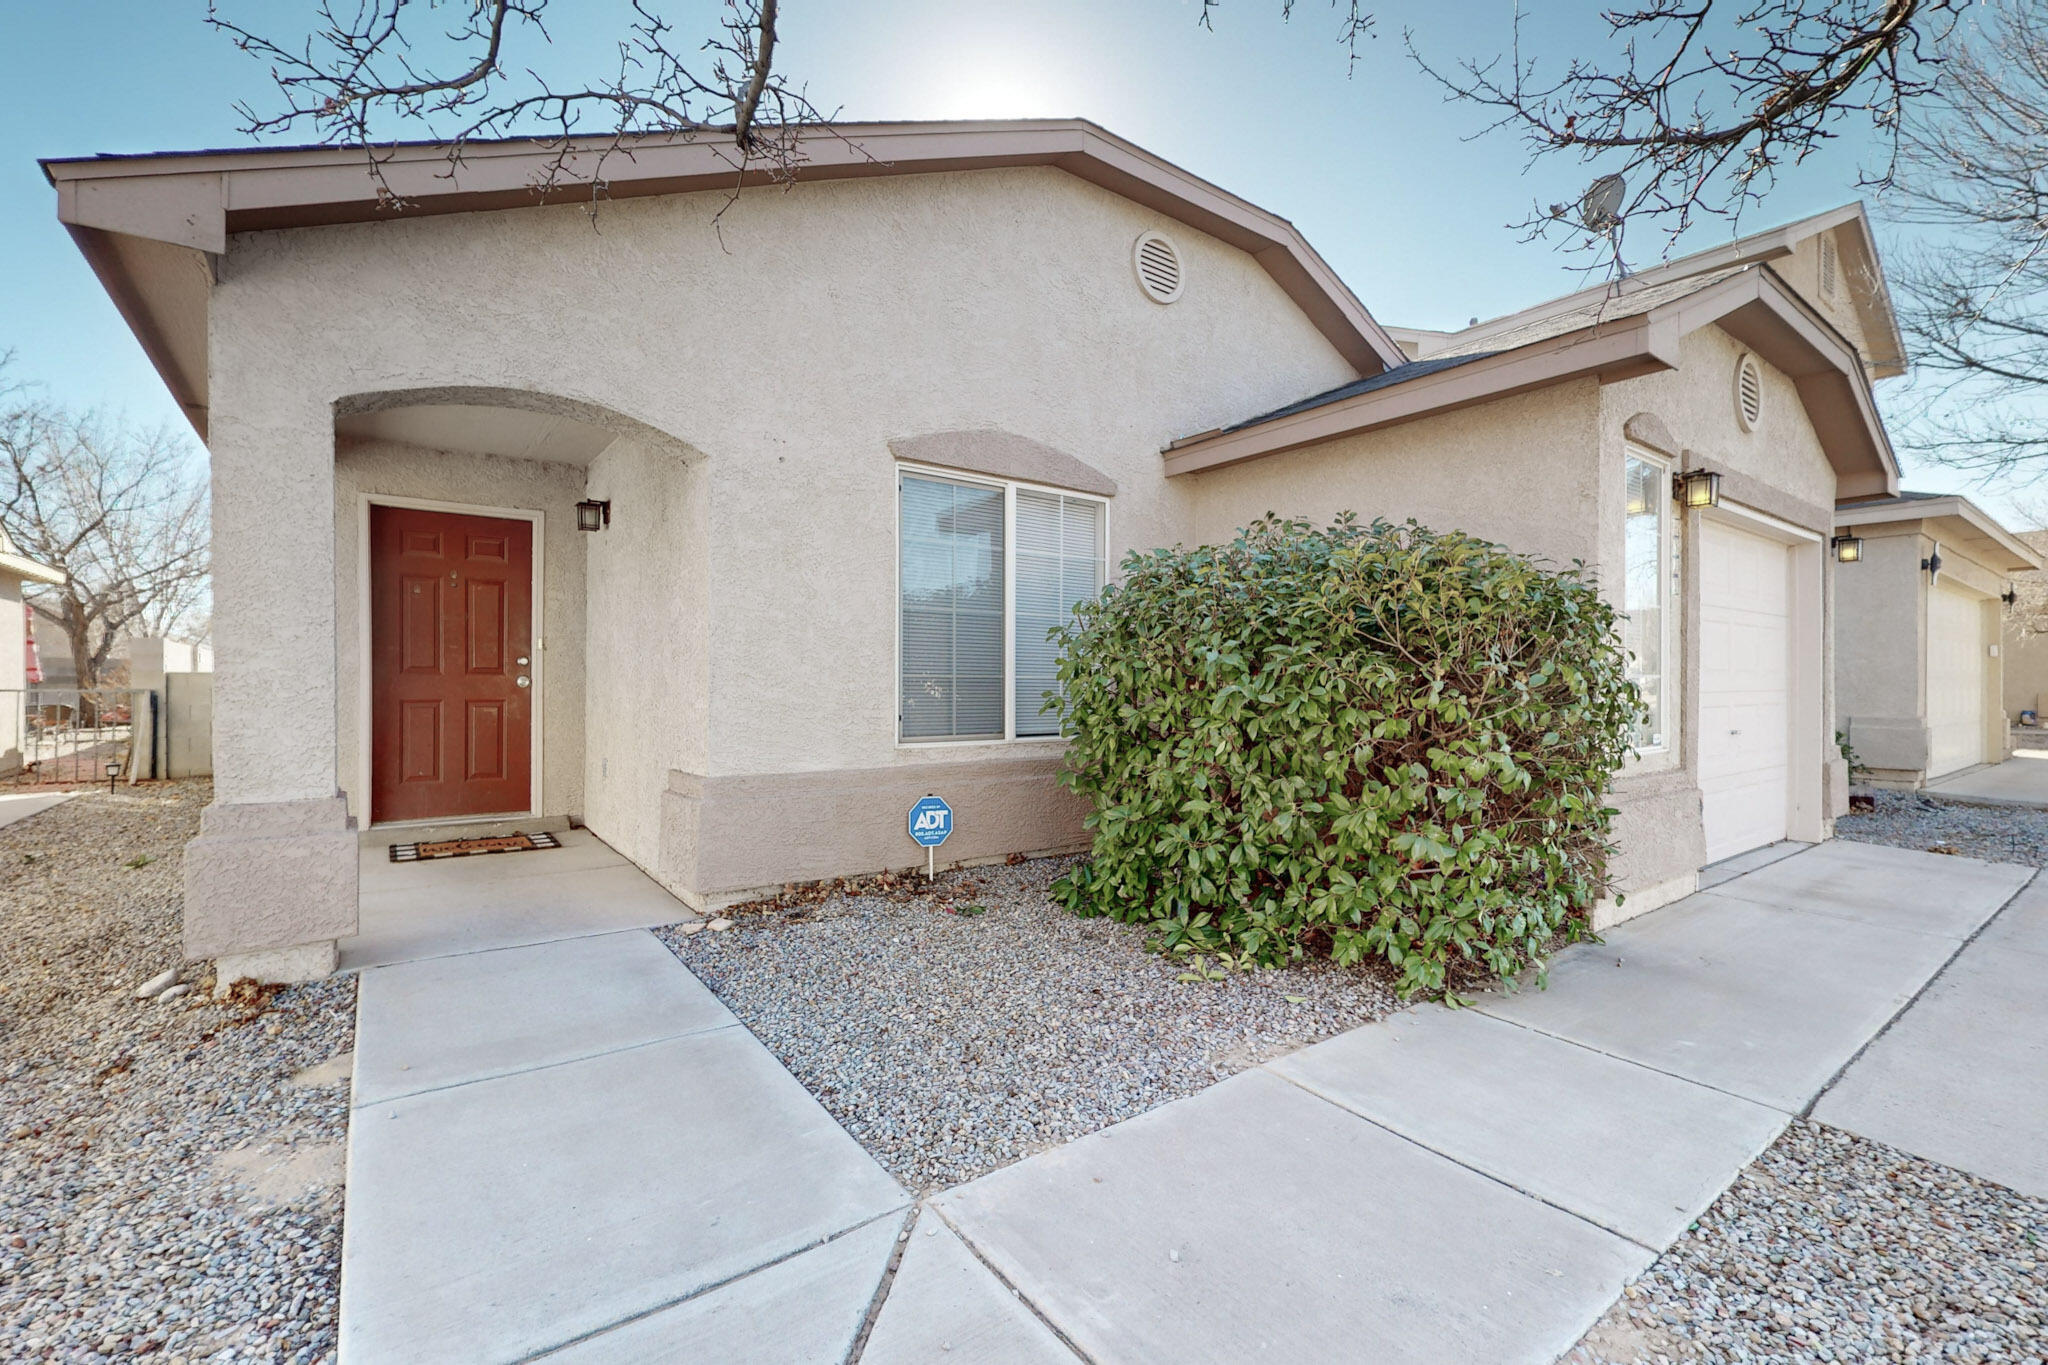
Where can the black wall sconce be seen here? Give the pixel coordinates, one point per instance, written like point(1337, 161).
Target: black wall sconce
point(593, 514)
point(2010, 595)
point(1698, 488)
point(1932, 563)
point(1848, 549)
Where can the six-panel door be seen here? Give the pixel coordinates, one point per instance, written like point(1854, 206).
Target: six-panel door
point(451, 650)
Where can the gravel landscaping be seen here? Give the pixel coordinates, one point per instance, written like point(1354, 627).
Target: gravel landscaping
point(1999, 834)
point(1834, 1248)
point(955, 1032)
point(170, 1180)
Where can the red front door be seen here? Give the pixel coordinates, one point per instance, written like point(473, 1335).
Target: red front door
point(451, 644)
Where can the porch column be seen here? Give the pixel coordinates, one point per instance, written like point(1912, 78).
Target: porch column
point(270, 883)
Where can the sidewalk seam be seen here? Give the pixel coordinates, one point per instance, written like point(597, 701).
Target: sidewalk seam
point(699, 1293)
point(1504, 1183)
point(1914, 999)
point(355, 1108)
point(1044, 1319)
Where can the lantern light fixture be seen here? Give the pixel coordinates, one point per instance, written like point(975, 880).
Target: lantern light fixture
point(1698, 488)
point(1848, 549)
point(593, 514)
point(2010, 596)
point(1932, 563)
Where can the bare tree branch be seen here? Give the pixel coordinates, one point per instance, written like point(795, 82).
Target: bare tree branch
point(372, 68)
point(1708, 100)
point(1973, 303)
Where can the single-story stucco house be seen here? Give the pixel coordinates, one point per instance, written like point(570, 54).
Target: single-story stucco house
point(16, 569)
point(2025, 652)
point(846, 453)
point(1920, 685)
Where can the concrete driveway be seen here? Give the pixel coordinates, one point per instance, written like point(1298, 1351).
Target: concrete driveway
point(570, 1150)
point(2021, 780)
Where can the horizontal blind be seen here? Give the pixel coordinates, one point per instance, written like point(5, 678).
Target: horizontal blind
point(951, 559)
point(1059, 557)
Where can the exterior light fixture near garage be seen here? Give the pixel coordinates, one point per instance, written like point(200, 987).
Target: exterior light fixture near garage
point(2010, 596)
point(593, 515)
point(1848, 549)
point(1932, 563)
point(1698, 488)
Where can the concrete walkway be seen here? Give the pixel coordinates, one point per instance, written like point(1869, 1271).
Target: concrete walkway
point(571, 1150)
point(17, 806)
point(2021, 780)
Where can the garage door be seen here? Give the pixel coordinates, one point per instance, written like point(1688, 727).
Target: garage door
point(1956, 666)
point(1745, 689)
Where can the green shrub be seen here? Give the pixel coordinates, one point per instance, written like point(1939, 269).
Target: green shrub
point(1361, 741)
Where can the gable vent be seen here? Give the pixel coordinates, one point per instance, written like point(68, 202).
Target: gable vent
point(1827, 265)
point(1158, 265)
point(1749, 393)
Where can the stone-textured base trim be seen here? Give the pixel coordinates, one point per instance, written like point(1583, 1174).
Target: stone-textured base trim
point(726, 838)
point(306, 962)
point(1607, 914)
point(272, 875)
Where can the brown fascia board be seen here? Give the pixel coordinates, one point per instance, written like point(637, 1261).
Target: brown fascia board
point(1618, 350)
point(1755, 307)
point(198, 199)
point(1872, 293)
point(1956, 509)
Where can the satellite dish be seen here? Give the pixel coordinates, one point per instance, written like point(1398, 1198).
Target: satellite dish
point(1600, 206)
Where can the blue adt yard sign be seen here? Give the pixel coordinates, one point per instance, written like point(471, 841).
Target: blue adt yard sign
point(931, 820)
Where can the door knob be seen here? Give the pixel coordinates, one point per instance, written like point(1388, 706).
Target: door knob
point(523, 680)
point(522, 661)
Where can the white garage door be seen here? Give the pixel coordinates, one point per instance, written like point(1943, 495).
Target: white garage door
point(1745, 689)
point(1956, 665)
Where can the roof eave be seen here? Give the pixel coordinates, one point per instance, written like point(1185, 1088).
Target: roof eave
point(1953, 507)
point(1754, 306)
point(196, 201)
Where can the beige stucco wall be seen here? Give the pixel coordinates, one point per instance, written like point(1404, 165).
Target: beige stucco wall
point(1801, 270)
point(1518, 471)
point(479, 481)
point(788, 343)
point(1882, 685)
point(2026, 642)
point(648, 642)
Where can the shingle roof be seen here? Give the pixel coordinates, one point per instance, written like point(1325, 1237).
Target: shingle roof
point(1386, 379)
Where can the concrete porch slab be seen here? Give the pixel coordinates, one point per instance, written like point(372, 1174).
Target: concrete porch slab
point(440, 914)
point(445, 1020)
point(945, 1306)
point(1256, 1221)
point(1760, 1002)
point(1898, 888)
point(494, 1220)
point(806, 1310)
point(580, 852)
point(2021, 780)
point(1634, 1150)
point(1962, 1077)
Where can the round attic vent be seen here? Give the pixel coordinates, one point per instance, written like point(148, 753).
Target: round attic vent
point(1749, 393)
point(1157, 261)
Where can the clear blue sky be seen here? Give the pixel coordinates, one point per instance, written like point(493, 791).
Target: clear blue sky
point(1382, 176)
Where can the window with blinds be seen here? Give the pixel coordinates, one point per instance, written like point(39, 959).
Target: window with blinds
point(986, 572)
point(952, 595)
point(1059, 564)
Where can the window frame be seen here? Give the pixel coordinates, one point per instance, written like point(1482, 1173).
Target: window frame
point(1668, 596)
point(1009, 489)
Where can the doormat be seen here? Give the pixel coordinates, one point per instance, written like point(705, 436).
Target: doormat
point(470, 848)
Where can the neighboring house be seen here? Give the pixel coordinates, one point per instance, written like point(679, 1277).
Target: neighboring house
point(2026, 638)
point(847, 454)
point(1920, 681)
point(15, 649)
point(132, 661)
